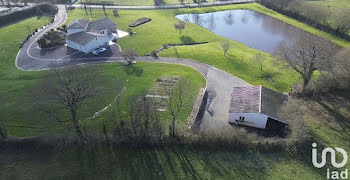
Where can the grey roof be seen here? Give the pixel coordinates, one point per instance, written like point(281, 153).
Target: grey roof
point(83, 37)
point(78, 24)
point(245, 99)
point(92, 31)
point(257, 99)
point(100, 24)
point(272, 102)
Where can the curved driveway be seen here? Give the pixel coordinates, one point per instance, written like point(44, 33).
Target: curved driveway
point(219, 83)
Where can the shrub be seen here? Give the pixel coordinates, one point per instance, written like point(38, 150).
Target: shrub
point(42, 42)
point(51, 38)
point(154, 54)
point(116, 12)
point(158, 2)
point(130, 31)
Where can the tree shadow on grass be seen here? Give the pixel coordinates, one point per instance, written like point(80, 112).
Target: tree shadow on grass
point(133, 70)
point(333, 106)
point(187, 40)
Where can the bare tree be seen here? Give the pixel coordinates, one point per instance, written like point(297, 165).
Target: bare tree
point(64, 92)
point(180, 26)
point(306, 55)
point(226, 46)
point(181, 1)
point(129, 56)
point(179, 96)
point(259, 59)
point(341, 20)
point(144, 118)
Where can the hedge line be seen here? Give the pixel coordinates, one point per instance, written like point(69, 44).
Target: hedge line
point(37, 10)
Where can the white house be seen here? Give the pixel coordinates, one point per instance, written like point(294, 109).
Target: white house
point(86, 36)
point(257, 107)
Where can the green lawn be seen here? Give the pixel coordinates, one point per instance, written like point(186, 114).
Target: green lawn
point(152, 35)
point(22, 120)
point(137, 2)
point(161, 163)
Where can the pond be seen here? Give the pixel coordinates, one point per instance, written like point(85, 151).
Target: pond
point(249, 27)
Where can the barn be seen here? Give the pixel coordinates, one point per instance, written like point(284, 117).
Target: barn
point(86, 36)
point(257, 107)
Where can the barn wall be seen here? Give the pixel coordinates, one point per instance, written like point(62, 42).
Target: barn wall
point(256, 120)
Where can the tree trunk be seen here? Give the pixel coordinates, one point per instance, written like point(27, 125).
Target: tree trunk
point(3, 132)
point(173, 126)
point(305, 83)
point(77, 126)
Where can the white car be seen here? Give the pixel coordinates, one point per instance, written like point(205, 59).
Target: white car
point(98, 51)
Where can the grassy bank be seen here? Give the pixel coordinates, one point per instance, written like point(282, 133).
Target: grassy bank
point(160, 30)
point(161, 163)
point(22, 120)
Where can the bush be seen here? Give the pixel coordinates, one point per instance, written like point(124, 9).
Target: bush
point(130, 31)
point(42, 42)
point(51, 39)
point(154, 54)
point(158, 2)
point(116, 12)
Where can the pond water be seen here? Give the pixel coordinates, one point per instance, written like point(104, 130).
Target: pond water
point(249, 27)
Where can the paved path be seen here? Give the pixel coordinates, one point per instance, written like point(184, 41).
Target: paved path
point(219, 83)
point(171, 6)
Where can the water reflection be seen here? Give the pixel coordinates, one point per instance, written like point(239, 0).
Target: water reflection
point(254, 29)
point(229, 18)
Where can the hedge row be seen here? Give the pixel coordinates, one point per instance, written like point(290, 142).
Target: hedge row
point(272, 4)
point(37, 10)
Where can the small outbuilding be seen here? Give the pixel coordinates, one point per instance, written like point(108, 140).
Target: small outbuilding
point(257, 107)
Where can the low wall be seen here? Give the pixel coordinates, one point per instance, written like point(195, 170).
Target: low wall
point(196, 108)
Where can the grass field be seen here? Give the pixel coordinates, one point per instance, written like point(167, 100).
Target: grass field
point(137, 2)
point(328, 123)
point(22, 120)
point(160, 31)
